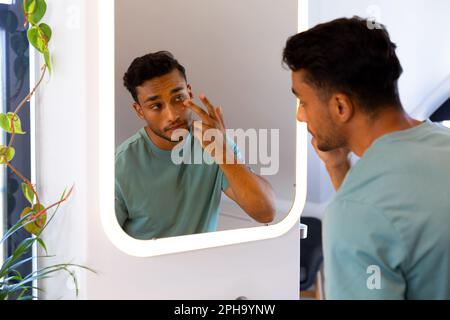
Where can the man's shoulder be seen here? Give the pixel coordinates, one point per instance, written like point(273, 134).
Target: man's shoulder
point(401, 172)
point(368, 176)
point(398, 160)
point(129, 146)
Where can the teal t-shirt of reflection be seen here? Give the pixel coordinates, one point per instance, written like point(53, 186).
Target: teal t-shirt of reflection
point(156, 198)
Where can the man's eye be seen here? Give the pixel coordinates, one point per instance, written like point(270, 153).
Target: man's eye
point(180, 98)
point(155, 106)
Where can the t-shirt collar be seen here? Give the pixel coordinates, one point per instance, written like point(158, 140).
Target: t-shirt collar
point(161, 152)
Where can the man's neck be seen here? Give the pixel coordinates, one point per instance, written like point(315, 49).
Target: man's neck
point(367, 130)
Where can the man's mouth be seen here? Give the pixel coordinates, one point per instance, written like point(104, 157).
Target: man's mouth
point(177, 126)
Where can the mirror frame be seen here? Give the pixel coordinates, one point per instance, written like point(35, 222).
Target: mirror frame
point(106, 125)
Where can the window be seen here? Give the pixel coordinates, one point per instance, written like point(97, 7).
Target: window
point(2, 138)
point(14, 86)
point(442, 114)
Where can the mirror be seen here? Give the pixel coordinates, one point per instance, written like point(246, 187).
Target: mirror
point(231, 52)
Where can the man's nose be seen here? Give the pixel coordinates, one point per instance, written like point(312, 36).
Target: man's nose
point(172, 113)
point(301, 114)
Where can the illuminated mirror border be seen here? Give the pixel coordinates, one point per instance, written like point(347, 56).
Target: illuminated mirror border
point(150, 248)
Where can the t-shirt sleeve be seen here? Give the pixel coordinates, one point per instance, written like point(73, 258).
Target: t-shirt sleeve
point(120, 208)
point(225, 183)
point(363, 253)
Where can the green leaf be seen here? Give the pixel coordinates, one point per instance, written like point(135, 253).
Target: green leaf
point(33, 38)
point(21, 249)
point(34, 16)
point(28, 192)
point(24, 290)
point(6, 154)
point(39, 36)
point(57, 207)
point(18, 264)
point(48, 60)
point(36, 226)
point(42, 243)
point(46, 31)
point(21, 262)
point(7, 119)
point(17, 226)
point(29, 6)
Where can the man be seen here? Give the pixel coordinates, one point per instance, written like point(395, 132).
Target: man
point(156, 197)
point(387, 230)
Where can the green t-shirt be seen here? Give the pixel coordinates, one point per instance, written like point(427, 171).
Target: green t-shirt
point(387, 231)
point(155, 198)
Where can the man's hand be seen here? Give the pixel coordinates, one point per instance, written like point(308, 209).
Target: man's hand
point(252, 193)
point(337, 163)
point(211, 125)
point(334, 158)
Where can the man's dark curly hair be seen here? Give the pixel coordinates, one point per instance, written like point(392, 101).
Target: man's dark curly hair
point(349, 55)
point(150, 66)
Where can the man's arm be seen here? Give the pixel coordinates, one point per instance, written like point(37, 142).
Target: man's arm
point(250, 191)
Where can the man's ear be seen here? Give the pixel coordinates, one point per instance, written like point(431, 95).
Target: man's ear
point(191, 95)
point(137, 108)
point(342, 107)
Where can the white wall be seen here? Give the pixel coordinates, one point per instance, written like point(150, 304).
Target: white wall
point(67, 152)
point(65, 131)
point(421, 30)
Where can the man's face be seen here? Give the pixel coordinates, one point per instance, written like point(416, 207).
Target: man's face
point(315, 112)
point(161, 104)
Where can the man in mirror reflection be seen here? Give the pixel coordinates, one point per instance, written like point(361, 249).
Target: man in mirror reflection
point(386, 232)
point(156, 197)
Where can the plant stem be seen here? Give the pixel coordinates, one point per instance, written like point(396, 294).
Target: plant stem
point(11, 141)
point(42, 212)
point(44, 68)
point(24, 179)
